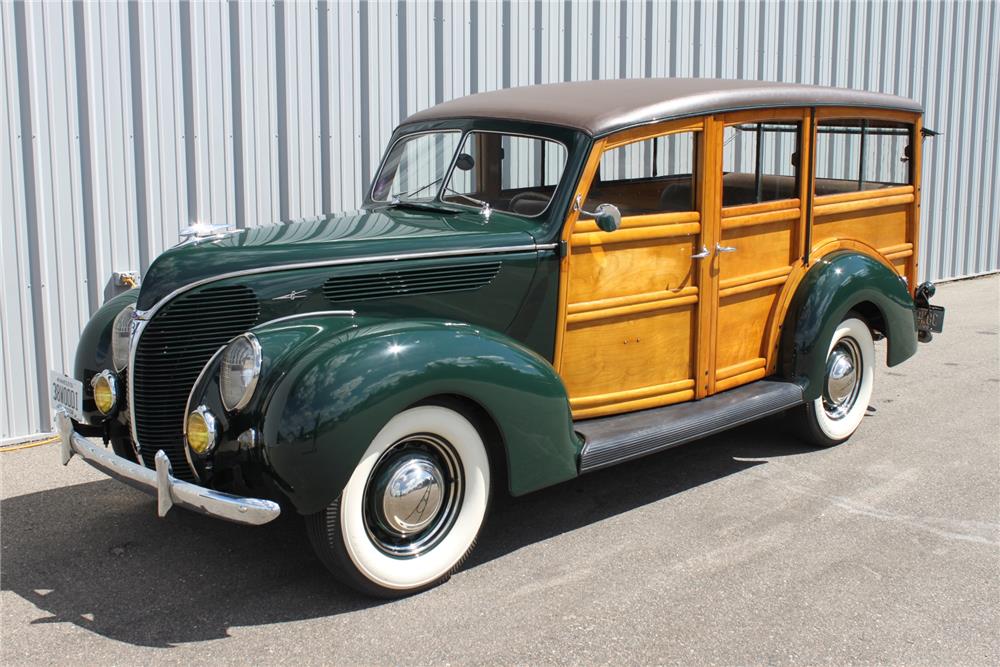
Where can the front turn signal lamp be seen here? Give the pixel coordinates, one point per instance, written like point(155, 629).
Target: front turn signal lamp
point(105, 386)
point(202, 430)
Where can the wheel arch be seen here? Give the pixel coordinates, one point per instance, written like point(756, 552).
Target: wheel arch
point(842, 281)
point(486, 423)
point(331, 398)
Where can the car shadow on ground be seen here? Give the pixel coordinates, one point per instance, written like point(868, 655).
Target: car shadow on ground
point(95, 554)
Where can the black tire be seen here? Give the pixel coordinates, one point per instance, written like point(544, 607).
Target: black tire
point(367, 543)
point(847, 386)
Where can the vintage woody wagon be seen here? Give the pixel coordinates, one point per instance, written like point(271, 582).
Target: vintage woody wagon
point(543, 281)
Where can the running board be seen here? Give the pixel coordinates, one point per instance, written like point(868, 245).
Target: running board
point(611, 440)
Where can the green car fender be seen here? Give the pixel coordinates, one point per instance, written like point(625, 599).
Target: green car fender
point(347, 377)
point(93, 351)
point(835, 285)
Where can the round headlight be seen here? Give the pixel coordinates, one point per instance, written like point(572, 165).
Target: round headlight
point(201, 430)
point(105, 386)
point(121, 333)
point(239, 371)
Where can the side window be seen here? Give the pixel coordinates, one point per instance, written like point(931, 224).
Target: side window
point(760, 162)
point(651, 176)
point(861, 154)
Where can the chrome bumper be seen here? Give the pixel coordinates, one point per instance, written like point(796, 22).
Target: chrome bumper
point(169, 490)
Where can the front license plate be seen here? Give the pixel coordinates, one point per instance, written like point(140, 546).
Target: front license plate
point(930, 318)
point(66, 393)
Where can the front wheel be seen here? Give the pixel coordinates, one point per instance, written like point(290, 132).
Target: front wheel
point(411, 511)
point(847, 386)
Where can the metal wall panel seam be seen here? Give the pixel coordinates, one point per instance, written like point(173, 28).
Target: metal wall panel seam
point(236, 101)
point(281, 83)
point(31, 205)
point(86, 160)
point(138, 136)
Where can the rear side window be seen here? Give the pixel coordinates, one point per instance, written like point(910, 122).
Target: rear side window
point(760, 162)
point(861, 154)
point(651, 176)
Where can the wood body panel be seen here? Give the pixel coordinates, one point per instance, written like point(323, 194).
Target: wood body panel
point(881, 223)
point(642, 324)
point(632, 302)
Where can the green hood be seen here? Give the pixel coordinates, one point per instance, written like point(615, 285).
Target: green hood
point(370, 233)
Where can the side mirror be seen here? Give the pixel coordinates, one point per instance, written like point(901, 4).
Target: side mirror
point(607, 216)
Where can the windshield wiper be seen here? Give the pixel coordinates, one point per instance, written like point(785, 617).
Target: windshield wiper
point(405, 195)
point(423, 205)
point(485, 209)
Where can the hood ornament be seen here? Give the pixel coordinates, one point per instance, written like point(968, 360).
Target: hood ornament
point(294, 295)
point(203, 230)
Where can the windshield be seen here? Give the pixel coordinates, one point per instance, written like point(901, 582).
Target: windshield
point(415, 167)
point(492, 170)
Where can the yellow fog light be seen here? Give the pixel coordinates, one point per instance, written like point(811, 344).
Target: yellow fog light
point(105, 387)
point(201, 430)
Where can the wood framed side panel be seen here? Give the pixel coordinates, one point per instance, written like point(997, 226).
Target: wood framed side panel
point(632, 316)
point(630, 320)
point(884, 223)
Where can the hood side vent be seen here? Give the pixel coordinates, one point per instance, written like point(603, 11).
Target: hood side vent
point(402, 282)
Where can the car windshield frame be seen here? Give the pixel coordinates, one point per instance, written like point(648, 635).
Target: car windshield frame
point(446, 174)
point(437, 201)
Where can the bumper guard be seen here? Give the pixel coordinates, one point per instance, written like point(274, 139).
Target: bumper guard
point(169, 490)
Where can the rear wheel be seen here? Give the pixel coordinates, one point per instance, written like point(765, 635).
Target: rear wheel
point(847, 386)
point(411, 511)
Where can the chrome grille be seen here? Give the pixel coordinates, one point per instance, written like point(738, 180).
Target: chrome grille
point(172, 349)
point(398, 282)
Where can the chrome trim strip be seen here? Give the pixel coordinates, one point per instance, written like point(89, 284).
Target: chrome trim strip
point(168, 490)
point(140, 324)
point(311, 313)
point(145, 315)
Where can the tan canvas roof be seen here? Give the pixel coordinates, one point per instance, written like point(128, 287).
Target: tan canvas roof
point(601, 107)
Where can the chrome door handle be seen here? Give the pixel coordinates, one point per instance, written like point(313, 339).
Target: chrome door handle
point(701, 255)
point(724, 248)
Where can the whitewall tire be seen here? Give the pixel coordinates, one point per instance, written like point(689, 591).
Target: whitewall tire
point(847, 385)
point(412, 510)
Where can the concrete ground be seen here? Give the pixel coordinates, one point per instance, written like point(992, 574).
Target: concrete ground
point(744, 548)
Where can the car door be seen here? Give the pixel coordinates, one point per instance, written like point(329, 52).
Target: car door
point(758, 237)
point(631, 300)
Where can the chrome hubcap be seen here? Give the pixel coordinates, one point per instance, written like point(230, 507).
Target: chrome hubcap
point(843, 378)
point(413, 496)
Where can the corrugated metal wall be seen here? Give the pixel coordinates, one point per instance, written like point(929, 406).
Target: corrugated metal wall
point(123, 123)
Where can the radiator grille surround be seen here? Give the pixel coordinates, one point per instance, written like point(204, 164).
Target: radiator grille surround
point(171, 352)
point(401, 282)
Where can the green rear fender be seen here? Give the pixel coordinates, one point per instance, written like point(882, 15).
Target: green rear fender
point(336, 381)
point(836, 284)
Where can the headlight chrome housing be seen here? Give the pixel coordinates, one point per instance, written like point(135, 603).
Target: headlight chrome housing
point(121, 335)
point(239, 371)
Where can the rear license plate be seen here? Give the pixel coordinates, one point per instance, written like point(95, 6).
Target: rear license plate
point(930, 318)
point(66, 393)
